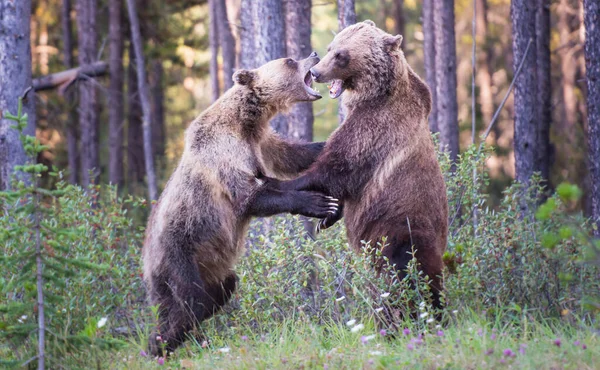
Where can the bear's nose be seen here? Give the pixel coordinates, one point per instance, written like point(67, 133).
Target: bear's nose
point(313, 54)
point(314, 74)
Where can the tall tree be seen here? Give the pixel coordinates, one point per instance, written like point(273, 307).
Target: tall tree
point(484, 75)
point(213, 42)
point(227, 43)
point(346, 17)
point(158, 107)
point(429, 56)
point(135, 133)
point(136, 39)
point(399, 21)
point(247, 51)
point(523, 16)
point(592, 64)
point(15, 78)
point(568, 69)
point(298, 12)
point(544, 88)
point(88, 115)
point(115, 92)
point(445, 76)
point(71, 125)
point(269, 27)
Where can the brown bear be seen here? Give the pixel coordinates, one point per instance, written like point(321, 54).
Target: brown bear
point(381, 163)
point(196, 231)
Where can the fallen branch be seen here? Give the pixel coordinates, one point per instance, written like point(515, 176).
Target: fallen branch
point(64, 79)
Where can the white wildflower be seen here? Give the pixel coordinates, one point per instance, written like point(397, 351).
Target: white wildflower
point(102, 322)
point(455, 312)
point(375, 353)
point(423, 315)
point(430, 320)
point(368, 338)
point(438, 326)
point(357, 328)
point(422, 304)
point(385, 295)
point(340, 299)
point(351, 322)
point(224, 349)
point(379, 309)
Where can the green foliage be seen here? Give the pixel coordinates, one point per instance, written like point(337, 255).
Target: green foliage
point(76, 240)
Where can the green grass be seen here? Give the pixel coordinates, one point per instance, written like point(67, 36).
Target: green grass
point(468, 342)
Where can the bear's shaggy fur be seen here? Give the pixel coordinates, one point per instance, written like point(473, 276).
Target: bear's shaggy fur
point(196, 231)
point(381, 161)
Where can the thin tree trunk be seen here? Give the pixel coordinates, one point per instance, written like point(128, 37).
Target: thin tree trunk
point(15, 78)
point(144, 93)
point(88, 115)
point(71, 125)
point(40, 286)
point(247, 50)
point(429, 56)
point(115, 94)
point(346, 17)
point(523, 14)
point(269, 25)
point(135, 133)
point(213, 42)
point(568, 68)
point(298, 13)
point(484, 76)
point(592, 64)
point(544, 88)
point(227, 43)
point(400, 22)
point(158, 108)
point(445, 62)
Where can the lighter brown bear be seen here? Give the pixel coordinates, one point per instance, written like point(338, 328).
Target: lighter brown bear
point(196, 231)
point(381, 161)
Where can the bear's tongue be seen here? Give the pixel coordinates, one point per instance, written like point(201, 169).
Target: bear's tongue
point(336, 89)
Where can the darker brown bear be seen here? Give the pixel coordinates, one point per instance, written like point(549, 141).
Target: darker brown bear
point(196, 231)
point(381, 161)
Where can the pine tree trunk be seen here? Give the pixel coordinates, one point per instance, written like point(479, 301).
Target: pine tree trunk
point(568, 68)
point(135, 141)
point(158, 108)
point(484, 76)
point(15, 78)
point(247, 51)
point(71, 124)
point(592, 64)
point(544, 88)
point(445, 62)
point(400, 22)
point(298, 14)
point(523, 14)
point(144, 93)
point(88, 115)
point(346, 17)
point(213, 42)
point(429, 60)
point(115, 93)
point(269, 26)
point(227, 43)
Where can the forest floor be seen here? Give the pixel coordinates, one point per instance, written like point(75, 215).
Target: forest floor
point(468, 343)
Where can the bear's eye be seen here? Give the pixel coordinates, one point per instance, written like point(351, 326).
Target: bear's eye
point(337, 55)
point(291, 62)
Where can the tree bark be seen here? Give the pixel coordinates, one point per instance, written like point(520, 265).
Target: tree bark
point(247, 51)
point(135, 133)
point(15, 78)
point(115, 93)
point(445, 75)
point(429, 56)
point(71, 125)
point(88, 115)
point(592, 64)
point(400, 22)
point(544, 88)
point(62, 80)
point(158, 108)
point(568, 68)
point(213, 42)
point(144, 93)
point(346, 17)
point(523, 14)
point(484, 76)
point(269, 26)
point(298, 14)
point(227, 43)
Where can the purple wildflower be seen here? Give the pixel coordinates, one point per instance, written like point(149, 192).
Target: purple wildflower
point(244, 338)
point(489, 351)
point(383, 332)
point(161, 361)
point(557, 342)
point(493, 336)
point(325, 367)
point(584, 346)
point(480, 332)
point(522, 348)
point(406, 331)
point(502, 360)
point(364, 340)
point(508, 353)
point(143, 353)
point(440, 333)
point(576, 343)
point(410, 347)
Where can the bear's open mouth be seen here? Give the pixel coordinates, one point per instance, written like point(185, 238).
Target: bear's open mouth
point(336, 88)
point(308, 86)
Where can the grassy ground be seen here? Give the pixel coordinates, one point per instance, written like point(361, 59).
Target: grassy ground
point(466, 343)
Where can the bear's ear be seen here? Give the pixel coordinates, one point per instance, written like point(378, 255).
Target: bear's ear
point(369, 22)
point(244, 77)
point(392, 43)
